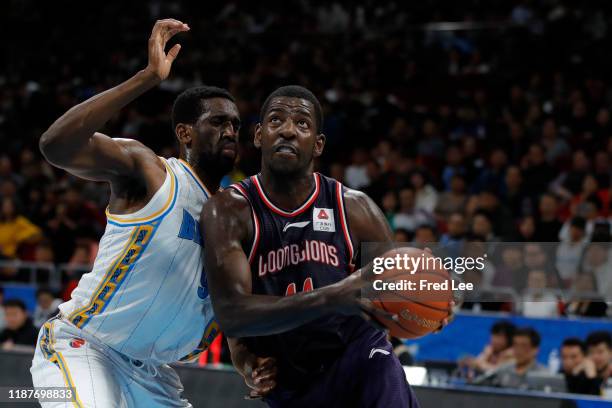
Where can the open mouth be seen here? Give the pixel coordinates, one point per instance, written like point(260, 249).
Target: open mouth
point(285, 148)
point(229, 146)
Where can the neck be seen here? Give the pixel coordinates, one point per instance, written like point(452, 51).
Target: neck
point(210, 177)
point(287, 191)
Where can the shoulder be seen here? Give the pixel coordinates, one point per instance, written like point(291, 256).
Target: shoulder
point(137, 150)
point(227, 203)
point(358, 202)
point(226, 218)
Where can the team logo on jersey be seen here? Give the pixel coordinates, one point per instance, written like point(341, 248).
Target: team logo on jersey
point(190, 229)
point(307, 251)
point(377, 350)
point(323, 220)
point(76, 342)
point(295, 225)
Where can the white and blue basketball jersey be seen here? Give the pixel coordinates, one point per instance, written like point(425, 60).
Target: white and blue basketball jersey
point(147, 296)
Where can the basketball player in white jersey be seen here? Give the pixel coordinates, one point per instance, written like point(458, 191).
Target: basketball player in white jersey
point(145, 303)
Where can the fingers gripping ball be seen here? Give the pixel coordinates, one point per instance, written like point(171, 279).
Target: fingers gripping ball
point(422, 294)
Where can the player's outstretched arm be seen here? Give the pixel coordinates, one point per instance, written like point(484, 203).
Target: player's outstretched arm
point(72, 142)
point(226, 222)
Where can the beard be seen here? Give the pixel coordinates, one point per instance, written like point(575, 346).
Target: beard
point(216, 163)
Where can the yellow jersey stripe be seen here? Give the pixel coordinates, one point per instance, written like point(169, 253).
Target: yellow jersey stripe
point(195, 177)
point(68, 379)
point(47, 345)
point(108, 273)
point(116, 276)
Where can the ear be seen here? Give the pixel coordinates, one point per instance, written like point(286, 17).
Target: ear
point(257, 139)
point(319, 145)
point(183, 134)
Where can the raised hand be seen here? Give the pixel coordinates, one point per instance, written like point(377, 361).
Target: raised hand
point(160, 62)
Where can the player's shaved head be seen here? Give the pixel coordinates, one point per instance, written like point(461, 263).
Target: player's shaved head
point(295, 91)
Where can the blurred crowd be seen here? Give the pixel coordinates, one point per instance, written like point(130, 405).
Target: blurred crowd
point(510, 360)
point(494, 128)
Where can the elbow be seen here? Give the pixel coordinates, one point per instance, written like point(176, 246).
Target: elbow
point(46, 144)
point(227, 318)
point(230, 329)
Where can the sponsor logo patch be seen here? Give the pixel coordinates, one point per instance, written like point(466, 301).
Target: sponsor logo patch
point(323, 220)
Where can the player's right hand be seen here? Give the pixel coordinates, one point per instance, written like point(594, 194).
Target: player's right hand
point(160, 62)
point(260, 377)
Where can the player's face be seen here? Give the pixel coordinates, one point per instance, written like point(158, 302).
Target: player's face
point(214, 136)
point(288, 136)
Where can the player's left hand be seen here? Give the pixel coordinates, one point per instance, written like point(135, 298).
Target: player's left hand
point(449, 318)
point(260, 377)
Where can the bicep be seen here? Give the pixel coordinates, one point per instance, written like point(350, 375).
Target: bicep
point(227, 266)
point(100, 158)
point(368, 225)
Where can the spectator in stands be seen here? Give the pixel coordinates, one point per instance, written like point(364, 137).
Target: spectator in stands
point(538, 256)
point(512, 192)
point(2, 313)
point(536, 302)
point(497, 352)
point(569, 251)
point(547, 225)
point(599, 349)
point(377, 186)
point(426, 197)
point(579, 370)
point(556, 147)
point(389, 206)
point(454, 167)
point(15, 229)
point(525, 348)
point(409, 217)
point(453, 200)
point(601, 231)
point(526, 230)
point(511, 271)
point(482, 226)
point(454, 238)
point(425, 234)
point(585, 301)
point(597, 261)
point(356, 174)
point(401, 235)
point(570, 183)
point(19, 328)
point(537, 173)
point(46, 306)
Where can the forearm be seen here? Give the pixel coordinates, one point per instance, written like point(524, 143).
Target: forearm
point(240, 354)
point(249, 315)
point(74, 128)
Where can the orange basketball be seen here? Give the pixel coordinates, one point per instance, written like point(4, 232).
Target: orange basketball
point(421, 309)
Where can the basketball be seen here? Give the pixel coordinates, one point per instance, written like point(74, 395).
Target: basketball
point(420, 311)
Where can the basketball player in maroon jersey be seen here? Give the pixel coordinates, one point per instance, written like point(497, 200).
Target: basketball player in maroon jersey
point(280, 249)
